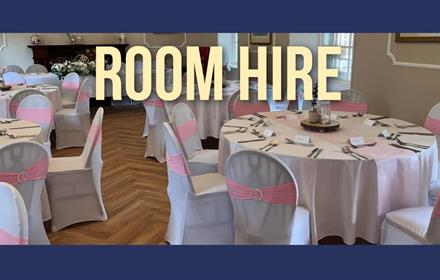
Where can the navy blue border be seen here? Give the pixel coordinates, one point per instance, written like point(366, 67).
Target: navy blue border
point(219, 262)
point(220, 16)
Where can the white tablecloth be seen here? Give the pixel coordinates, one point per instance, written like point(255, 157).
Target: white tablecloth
point(50, 91)
point(347, 197)
point(210, 114)
point(41, 78)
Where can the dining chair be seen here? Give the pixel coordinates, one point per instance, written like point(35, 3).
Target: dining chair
point(412, 226)
point(39, 109)
point(69, 90)
point(74, 183)
point(73, 124)
point(201, 212)
point(14, 68)
point(264, 197)
point(13, 79)
point(185, 125)
point(24, 165)
point(238, 108)
point(156, 115)
point(432, 123)
point(18, 97)
point(13, 218)
point(36, 68)
point(351, 101)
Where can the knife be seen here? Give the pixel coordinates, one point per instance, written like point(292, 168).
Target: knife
point(253, 140)
point(378, 118)
point(406, 148)
point(317, 153)
point(416, 133)
point(312, 152)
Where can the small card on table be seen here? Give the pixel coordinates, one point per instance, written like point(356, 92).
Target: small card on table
point(291, 117)
point(385, 133)
point(369, 122)
point(302, 139)
point(267, 132)
point(357, 141)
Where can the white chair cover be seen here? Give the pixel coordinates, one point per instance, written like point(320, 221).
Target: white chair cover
point(201, 212)
point(18, 97)
point(351, 101)
point(13, 218)
point(432, 123)
point(237, 107)
point(69, 90)
point(12, 79)
point(156, 115)
point(36, 68)
point(264, 197)
point(24, 165)
point(74, 183)
point(38, 109)
point(14, 68)
point(72, 125)
point(187, 131)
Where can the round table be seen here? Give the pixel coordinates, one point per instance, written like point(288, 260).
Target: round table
point(41, 78)
point(346, 196)
point(50, 91)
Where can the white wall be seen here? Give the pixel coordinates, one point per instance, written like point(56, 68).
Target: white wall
point(310, 40)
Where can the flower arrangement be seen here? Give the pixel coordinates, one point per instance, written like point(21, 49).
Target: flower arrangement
point(80, 67)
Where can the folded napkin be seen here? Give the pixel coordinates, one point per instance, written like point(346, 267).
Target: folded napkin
point(383, 151)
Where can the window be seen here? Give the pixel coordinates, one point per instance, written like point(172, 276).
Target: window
point(229, 42)
point(344, 61)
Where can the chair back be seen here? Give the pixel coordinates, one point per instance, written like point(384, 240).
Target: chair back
point(14, 68)
point(13, 218)
point(351, 101)
point(91, 155)
point(37, 108)
point(36, 68)
point(24, 165)
point(186, 129)
point(82, 105)
point(433, 234)
point(432, 123)
point(70, 87)
point(13, 79)
point(179, 179)
point(155, 109)
point(264, 196)
point(18, 97)
point(238, 108)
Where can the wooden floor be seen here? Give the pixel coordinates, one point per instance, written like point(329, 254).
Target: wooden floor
point(133, 187)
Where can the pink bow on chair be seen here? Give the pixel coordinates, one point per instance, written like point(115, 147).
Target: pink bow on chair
point(36, 172)
point(432, 125)
point(177, 163)
point(279, 194)
point(349, 106)
point(8, 239)
point(154, 103)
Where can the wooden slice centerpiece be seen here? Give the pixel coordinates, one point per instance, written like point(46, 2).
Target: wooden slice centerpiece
point(5, 87)
point(317, 126)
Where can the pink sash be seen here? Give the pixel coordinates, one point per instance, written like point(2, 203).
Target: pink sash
point(280, 194)
point(436, 210)
point(95, 134)
point(432, 125)
point(36, 172)
point(241, 108)
point(13, 106)
point(177, 163)
point(8, 239)
point(349, 106)
point(83, 96)
point(154, 103)
point(38, 115)
point(186, 130)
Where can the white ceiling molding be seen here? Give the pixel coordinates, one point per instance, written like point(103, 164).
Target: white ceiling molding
point(158, 47)
point(3, 43)
point(408, 64)
point(255, 50)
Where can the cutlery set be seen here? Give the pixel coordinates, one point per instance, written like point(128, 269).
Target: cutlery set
point(347, 150)
point(290, 141)
point(315, 153)
point(8, 121)
point(257, 123)
point(269, 146)
point(238, 130)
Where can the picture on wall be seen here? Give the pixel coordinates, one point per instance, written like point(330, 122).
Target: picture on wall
point(261, 38)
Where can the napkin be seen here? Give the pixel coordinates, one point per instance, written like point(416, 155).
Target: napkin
point(383, 151)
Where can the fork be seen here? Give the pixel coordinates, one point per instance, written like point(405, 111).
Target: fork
point(271, 146)
point(348, 151)
point(267, 145)
point(405, 126)
point(239, 130)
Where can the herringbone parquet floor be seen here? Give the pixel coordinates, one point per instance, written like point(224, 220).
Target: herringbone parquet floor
point(133, 187)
